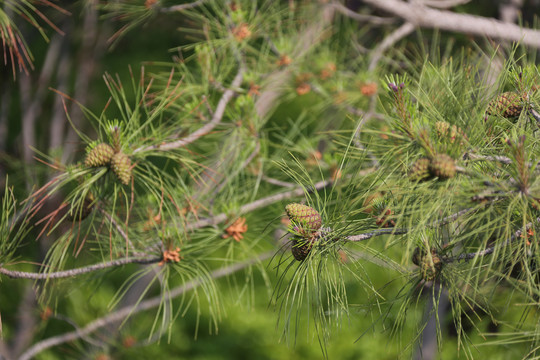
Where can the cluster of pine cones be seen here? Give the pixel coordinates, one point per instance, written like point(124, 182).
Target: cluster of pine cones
point(105, 155)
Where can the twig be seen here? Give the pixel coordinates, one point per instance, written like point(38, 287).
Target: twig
point(499, 158)
point(78, 271)
point(451, 218)
point(426, 17)
point(491, 249)
point(443, 4)
point(393, 231)
point(388, 42)
point(142, 306)
point(375, 20)
point(362, 237)
point(216, 119)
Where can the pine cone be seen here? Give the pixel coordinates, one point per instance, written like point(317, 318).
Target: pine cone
point(430, 266)
point(442, 166)
point(121, 165)
point(82, 213)
point(306, 218)
point(301, 248)
point(100, 155)
point(508, 105)
point(442, 128)
point(419, 170)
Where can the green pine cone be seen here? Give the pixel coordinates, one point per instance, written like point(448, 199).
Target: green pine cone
point(121, 165)
point(442, 128)
point(417, 255)
point(100, 155)
point(419, 170)
point(508, 105)
point(442, 166)
point(429, 266)
point(305, 217)
point(301, 248)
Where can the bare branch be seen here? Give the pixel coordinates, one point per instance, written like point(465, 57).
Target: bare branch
point(216, 119)
point(388, 42)
point(362, 237)
point(79, 271)
point(426, 17)
point(443, 4)
point(375, 20)
point(498, 158)
point(142, 306)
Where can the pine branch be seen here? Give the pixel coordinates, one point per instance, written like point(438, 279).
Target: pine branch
point(375, 20)
point(142, 306)
point(362, 237)
point(393, 231)
point(498, 158)
point(388, 42)
point(79, 271)
point(491, 249)
point(216, 118)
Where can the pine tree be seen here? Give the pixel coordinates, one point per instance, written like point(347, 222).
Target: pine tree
point(270, 150)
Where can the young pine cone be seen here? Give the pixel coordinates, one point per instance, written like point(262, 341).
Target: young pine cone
point(100, 155)
point(306, 219)
point(442, 166)
point(121, 165)
point(508, 105)
point(430, 266)
point(301, 248)
point(419, 170)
